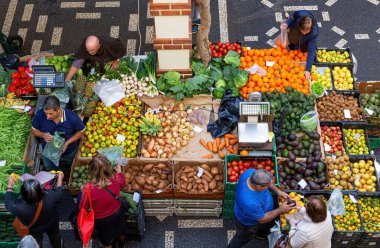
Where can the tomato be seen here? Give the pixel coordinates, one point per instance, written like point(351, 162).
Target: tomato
point(260, 166)
point(228, 164)
point(234, 163)
point(241, 167)
point(219, 43)
point(247, 164)
point(268, 162)
point(229, 172)
point(255, 163)
point(232, 178)
point(268, 168)
point(235, 168)
point(238, 51)
point(240, 163)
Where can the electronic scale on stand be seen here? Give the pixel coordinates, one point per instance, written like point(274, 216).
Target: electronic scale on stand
point(255, 127)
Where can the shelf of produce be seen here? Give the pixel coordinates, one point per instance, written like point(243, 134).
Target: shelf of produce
point(367, 88)
point(318, 61)
point(369, 207)
point(74, 188)
point(8, 235)
point(332, 137)
point(230, 186)
point(153, 179)
point(354, 126)
point(208, 173)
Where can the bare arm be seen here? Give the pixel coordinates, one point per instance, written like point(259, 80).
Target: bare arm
point(72, 139)
point(71, 73)
point(46, 136)
point(269, 216)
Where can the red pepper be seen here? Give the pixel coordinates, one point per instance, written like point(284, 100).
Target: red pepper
point(29, 70)
point(15, 75)
point(16, 82)
point(11, 88)
point(21, 69)
point(29, 88)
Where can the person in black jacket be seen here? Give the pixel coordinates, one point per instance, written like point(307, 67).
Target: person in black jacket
point(25, 208)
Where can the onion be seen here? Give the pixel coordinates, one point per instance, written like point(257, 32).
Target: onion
point(166, 113)
point(166, 129)
point(169, 135)
point(187, 124)
point(160, 151)
point(170, 155)
point(164, 155)
point(190, 128)
point(174, 143)
point(153, 154)
point(169, 141)
point(182, 114)
point(160, 134)
point(165, 108)
point(161, 142)
point(164, 124)
point(178, 146)
point(151, 145)
point(144, 151)
point(181, 106)
point(179, 139)
point(186, 137)
point(185, 131)
point(156, 147)
point(191, 134)
point(173, 149)
point(146, 155)
point(175, 134)
point(184, 143)
point(189, 111)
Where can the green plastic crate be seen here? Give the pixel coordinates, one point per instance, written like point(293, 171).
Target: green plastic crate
point(15, 194)
point(229, 195)
point(374, 142)
point(231, 186)
point(228, 209)
point(8, 217)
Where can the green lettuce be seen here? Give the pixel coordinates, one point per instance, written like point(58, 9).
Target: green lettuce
point(232, 58)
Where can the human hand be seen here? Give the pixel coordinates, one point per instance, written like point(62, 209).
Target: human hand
point(286, 208)
point(65, 146)
point(48, 137)
point(118, 168)
point(115, 64)
point(307, 76)
point(284, 26)
point(11, 181)
point(283, 195)
point(60, 176)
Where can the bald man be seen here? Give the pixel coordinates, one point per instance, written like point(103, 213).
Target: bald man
point(99, 50)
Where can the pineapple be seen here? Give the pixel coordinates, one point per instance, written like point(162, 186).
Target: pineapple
point(90, 107)
point(80, 84)
point(80, 103)
point(89, 90)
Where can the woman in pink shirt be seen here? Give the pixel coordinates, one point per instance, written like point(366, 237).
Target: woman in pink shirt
point(110, 220)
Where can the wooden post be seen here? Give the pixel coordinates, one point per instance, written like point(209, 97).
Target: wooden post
point(172, 35)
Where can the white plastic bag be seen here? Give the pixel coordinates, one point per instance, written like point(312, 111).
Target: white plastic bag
point(282, 39)
point(109, 92)
point(275, 234)
point(255, 69)
point(335, 205)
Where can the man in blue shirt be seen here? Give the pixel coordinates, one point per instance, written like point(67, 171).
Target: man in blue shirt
point(254, 213)
point(52, 118)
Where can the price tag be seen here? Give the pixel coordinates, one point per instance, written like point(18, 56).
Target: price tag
point(369, 111)
point(356, 136)
point(358, 178)
point(347, 113)
point(92, 72)
point(336, 172)
point(198, 129)
point(302, 183)
point(120, 138)
point(353, 199)
point(269, 63)
point(333, 157)
point(3, 163)
point(27, 108)
point(18, 107)
point(136, 197)
point(158, 191)
point(327, 147)
point(200, 172)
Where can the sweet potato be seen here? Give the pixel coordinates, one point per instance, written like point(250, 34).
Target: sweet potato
point(161, 166)
point(148, 187)
point(140, 180)
point(208, 179)
point(191, 174)
point(163, 176)
point(161, 185)
point(205, 185)
point(184, 178)
point(214, 171)
point(212, 184)
point(155, 182)
point(205, 167)
point(135, 186)
point(207, 173)
point(189, 186)
point(148, 167)
point(193, 191)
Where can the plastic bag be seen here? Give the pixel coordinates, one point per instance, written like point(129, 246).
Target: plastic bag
point(282, 40)
point(54, 149)
point(113, 154)
point(197, 117)
point(275, 234)
point(109, 92)
point(336, 204)
point(228, 114)
point(255, 69)
point(62, 94)
point(9, 61)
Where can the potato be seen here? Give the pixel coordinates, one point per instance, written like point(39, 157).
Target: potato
point(148, 181)
point(161, 166)
point(161, 185)
point(148, 187)
point(208, 179)
point(164, 176)
point(193, 191)
point(135, 186)
point(205, 167)
point(140, 180)
point(136, 168)
point(212, 184)
point(191, 174)
point(217, 177)
point(214, 171)
point(148, 167)
point(155, 182)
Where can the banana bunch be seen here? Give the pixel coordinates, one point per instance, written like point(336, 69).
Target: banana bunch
point(150, 124)
point(10, 101)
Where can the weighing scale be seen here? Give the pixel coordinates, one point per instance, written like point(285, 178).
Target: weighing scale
point(254, 131)
point(45, 76)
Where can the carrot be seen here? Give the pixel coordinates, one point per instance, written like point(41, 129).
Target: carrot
point(233, 142)
point(230, 136)
point(228, 152)
point(209, 146)
point(214, 147)
point(208, 156)
point(217, 142)
point(203, 143)
point(222, 145)
point(221, 154)
point(233, 151)
point(227, 140)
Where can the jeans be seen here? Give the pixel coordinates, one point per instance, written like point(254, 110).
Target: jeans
point(66, 159)
point(244, 233)
point(53, 234)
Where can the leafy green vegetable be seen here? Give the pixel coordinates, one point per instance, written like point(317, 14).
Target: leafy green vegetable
point(218, 93)
point(232, 58)
point(221, 83)
point(239, 77)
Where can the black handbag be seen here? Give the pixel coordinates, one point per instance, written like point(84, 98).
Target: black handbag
point(124, 203)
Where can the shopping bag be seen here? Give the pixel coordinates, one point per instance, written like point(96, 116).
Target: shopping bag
point(54, 149)
point(86, 217)
point(109, 92)
point(335, 205)
point(275, 234)
point(113, 154)
point(282, 39)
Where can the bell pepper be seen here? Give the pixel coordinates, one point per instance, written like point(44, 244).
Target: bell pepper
point(15, 75)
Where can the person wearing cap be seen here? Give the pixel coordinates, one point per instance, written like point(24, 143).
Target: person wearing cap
point(254, 213)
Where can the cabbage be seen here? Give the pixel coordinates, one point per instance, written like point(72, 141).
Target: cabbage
point(239, 77)
point(221, 83)
point(232, 58)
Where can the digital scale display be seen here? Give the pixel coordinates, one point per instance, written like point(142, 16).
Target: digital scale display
point(46, 77)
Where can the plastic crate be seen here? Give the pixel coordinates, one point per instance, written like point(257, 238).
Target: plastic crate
point(7, 218)
point(374, 143)
point(231, 186)
point(157, 203)
point(216, 212)
point(329, 124)
point(200, 204)
point(356, 125)
point(342, 50)
point(228, 209)
point(368, 238)
point(229, 195)
point(350, 68)
point(368, 88)
point(365, 158)
point(344, 243)
point(136, 223)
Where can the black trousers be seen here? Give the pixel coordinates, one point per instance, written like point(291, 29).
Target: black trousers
point(244, 233)
point(53, 234)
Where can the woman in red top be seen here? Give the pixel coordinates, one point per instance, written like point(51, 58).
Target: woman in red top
point(110, 220)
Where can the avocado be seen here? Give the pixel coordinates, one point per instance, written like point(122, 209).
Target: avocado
point(314, 186)
point(303, 153)
point(296, 153)
point(311, 148)
point(287, 171)
point(293, 143)
point(308, 172)
point(292, 137)
point(309, 159)
point(292, 157)
point(282, 175)
point(281, 147)
point(314, 135)
point(320, 167)
point(278, 140)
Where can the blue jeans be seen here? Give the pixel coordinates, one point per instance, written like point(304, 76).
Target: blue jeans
point(66, 159)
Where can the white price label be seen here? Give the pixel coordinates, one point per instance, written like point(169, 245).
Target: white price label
point(336, 172)
point(333, 157)
point(356, 136)
point(269, 63)
point(18, 107)
point(200, 172)
point(369, 111)
point(3, 163)
point(347, 113)
point(120, 138)
point(327, 147)
point(158, 191)
point(198, 129)
point(27, 108)
point(136, 197)
point(302, 183)
point(358, 178)
point(353, 199)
